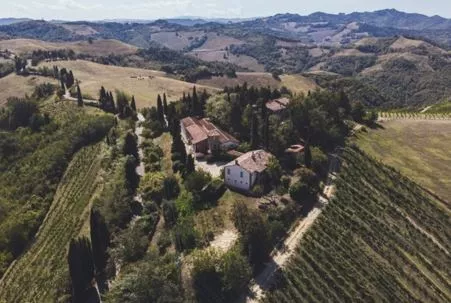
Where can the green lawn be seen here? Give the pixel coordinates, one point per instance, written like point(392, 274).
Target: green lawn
point(418, 149)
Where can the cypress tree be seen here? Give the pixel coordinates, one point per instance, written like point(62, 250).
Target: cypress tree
point(100, 239)
point(70, 79)
point(189, 103)
point(81, 268)
point(165, 105)
point(189, 165)
point(133, 104)
point(203, 101)
point(130, 146)
point(307, 156)
point(63, 87)
point(79, 96)
point(254, 131)
point(195, 103)
point(103, 99)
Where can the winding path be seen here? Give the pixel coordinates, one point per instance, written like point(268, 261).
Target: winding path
point(280, 257)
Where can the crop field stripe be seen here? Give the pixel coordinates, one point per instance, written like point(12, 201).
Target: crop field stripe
point(36, 275)
point(366, 247)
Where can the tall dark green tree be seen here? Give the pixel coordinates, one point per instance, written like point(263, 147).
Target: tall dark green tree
point(160, 110)
point(81, 269)
point(70, 80)
point(103, 98)
point(100, 239)
point(189, 165)
point(196, 110)
point(255, 140)
point(63, 86)
point(165, 104)
point(307, 156)
point(79, 96)
point(133, 104)
point(130, 146)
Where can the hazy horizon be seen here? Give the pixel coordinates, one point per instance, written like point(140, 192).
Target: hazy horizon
point(78, 10)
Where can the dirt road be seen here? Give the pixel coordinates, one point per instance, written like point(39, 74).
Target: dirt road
point(280, 258)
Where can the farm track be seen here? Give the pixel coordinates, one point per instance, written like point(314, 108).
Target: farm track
point(280, 258)
point(380, 239)
point(36, 275)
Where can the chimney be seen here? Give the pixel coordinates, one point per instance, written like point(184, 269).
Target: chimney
point(253, 156)
point(236, 162)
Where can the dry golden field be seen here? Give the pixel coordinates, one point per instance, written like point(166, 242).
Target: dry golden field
point(17, 86)
point(98, 47)
point(144, 84)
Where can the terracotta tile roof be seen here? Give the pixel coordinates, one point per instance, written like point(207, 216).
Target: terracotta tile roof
point(297, 148)
point(253, 161)
point(200, 130)
point(277, 104)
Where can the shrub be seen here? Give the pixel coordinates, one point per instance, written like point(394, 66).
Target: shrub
point(298, 191)
point(257, 190)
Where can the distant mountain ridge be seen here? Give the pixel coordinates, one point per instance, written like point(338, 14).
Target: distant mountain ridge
point(382, 18)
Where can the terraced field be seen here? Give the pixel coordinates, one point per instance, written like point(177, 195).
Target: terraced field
point(41, 273)
point(381, 239)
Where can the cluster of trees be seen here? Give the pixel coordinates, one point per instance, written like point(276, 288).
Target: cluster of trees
point(125, 106)
point(24, 112)
point(242, 112)
point(6, 68)
point(219, 277)
point(58, 54)
point(30, 170)
point(292, 59)
point(349, 65)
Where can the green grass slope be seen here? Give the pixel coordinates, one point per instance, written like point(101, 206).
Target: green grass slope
point(381, 239)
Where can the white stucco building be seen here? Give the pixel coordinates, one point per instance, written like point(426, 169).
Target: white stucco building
point(246, 170)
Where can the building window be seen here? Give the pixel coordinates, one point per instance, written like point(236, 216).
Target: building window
point(241, 174)
point(228, 171)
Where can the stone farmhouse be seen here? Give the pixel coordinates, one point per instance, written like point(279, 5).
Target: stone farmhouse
point(204, 137)
point(245, 171)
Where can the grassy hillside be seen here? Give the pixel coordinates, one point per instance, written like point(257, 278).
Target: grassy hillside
point(296, 83)
point(32, 163)
point(17, 86)
point(145, 89)
point(416, 148)
point(42, 271)
point(381, 239)
point(96, 48)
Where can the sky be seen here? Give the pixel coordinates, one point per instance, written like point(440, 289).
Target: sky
point(154, 9)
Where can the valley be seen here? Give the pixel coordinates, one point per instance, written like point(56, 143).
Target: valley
point(284, 158)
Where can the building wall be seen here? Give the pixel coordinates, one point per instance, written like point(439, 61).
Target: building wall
point(183, 133)
point(228, 146)
point(237, 177)
point(201, 147)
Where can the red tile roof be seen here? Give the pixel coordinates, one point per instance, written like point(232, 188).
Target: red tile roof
point(297, 148)
point(253, 161)
point(277, 104)
point(200, 130)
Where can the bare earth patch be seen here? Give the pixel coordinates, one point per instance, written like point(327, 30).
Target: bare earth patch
point(225, 240)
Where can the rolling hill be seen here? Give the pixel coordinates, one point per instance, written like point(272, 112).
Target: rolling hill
point(96, 48)
point(144, 84)
point(382, 238)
